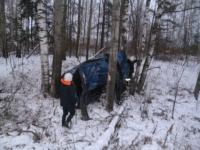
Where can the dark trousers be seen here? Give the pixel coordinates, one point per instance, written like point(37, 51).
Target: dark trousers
point(71, 110)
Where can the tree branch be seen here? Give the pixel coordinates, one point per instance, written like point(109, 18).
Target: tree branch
point(186, 9)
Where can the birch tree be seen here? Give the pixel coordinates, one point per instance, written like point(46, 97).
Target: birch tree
point(57, 58)
point(123, 25)
point(150, 52)
point(113, 55)
point(145, 24)
point(134, 81)
point(43, 47)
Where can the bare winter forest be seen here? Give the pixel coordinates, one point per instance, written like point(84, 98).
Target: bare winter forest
point(135, 66)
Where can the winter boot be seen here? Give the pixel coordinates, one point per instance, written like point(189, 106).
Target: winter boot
point(63, 124)
point(69, 124)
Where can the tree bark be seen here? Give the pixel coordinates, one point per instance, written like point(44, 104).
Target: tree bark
point(89, 30)
point(108, 12)
point(71, 25)
point(44, 50)
point(197, 88)
point(134, 81)
point(85, 20)
point(103, 25)
point(64, 38)
point(185, 29)
point(124, 25)
point(3, 41)
point(113, 55)
point(150, 52)
point(79, 28)
point(27, 35)
point(11, 25)
point(145, 24)
point(19, 31)
point(97, 40)
point(57, 58)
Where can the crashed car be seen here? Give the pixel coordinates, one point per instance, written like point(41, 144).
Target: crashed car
point(90, 78)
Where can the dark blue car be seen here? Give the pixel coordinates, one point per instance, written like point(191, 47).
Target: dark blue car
point(90, 78)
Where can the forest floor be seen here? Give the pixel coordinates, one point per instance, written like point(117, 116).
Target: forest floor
point(30, 121)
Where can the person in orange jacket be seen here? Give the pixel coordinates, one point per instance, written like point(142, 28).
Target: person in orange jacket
point(68, 99)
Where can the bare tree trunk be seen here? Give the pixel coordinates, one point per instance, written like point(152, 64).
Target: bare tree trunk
point(83, 105)
point(89, 30)
point(57, 58)
point(3, 41)
point(134, 81)
point(85, 20)
point(64, 38)
point(79, 28)
point(68, 26)
point(113, 55)
point(96, 47)
point(145, 24)
point(71, 25)
point(103, 25)
point(108, 20)
point(11, 24)
point(185, 29)
point(44, 50)
point(197, 88)
point(124, 25)
point(155, 31)
point(27, 36)
point(19, 31)
point(31, 34)
point(132, 26)
point(198, 31)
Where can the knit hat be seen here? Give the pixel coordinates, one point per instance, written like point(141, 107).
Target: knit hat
point(68, 77)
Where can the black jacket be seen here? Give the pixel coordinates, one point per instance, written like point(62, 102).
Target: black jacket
point(68, 95)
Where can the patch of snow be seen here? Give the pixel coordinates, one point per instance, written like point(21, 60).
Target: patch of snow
point(40, 118)
point(106, 136)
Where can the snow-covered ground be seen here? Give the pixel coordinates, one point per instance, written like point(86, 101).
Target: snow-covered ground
point(34, 122)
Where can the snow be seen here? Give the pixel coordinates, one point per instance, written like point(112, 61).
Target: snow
point(106, 136)
point(34, 122)
point(160, 90)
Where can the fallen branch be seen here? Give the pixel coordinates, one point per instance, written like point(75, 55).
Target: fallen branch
point(54, 112)
point(177, 88)
point(78, 141)
point(34, 49)
point(136, 137)
point(197, 87)
point(153, 132)
point(153, 68)
point(97, 53)
point(186, 9)
point(168, 131)
point(36, 136)
point(104, 139)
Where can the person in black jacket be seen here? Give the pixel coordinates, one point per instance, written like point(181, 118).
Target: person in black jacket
point(68, 98)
